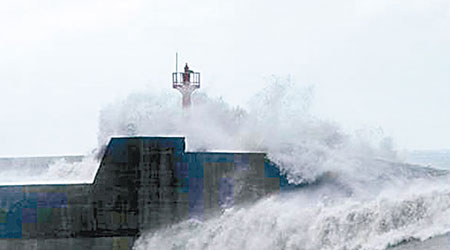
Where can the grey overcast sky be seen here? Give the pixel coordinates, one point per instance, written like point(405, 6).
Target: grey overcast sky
point(376, 63)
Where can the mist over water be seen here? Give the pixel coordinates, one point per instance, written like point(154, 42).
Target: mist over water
point(278, 122)
point(358, 194)
point(48, 170)
point(303, 221)
point(390, 56)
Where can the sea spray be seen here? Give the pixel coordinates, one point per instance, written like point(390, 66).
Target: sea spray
point(360, 196)
point(278, 122)
point(58, 171)
point(316, 220)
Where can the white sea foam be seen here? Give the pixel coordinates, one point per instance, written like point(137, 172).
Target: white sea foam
point(362, 197)
point(56, 170)
point(365, 198)
point(278, 122)
point(301, 221)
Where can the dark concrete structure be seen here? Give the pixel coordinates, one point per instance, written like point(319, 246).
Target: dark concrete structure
point(143, 183)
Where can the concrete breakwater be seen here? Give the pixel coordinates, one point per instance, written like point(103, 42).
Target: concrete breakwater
point(142, 183)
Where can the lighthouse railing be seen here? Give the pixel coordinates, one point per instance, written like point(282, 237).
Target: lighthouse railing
point(180, 79)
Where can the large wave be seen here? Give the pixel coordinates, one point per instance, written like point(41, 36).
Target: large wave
point(303, 220)
point(278, 122)
point(357, 195)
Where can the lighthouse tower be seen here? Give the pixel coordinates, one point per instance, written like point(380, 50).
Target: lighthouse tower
point(186, 82)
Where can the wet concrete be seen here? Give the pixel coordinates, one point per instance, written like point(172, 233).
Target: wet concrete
point(143, 183)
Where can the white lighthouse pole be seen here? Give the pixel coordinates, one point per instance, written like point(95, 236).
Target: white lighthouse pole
point(186, 82)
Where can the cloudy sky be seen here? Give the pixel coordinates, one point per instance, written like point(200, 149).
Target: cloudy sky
point(373, 63)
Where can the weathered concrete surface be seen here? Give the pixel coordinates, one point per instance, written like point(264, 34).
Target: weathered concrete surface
point(143, 183)
point(93, 243)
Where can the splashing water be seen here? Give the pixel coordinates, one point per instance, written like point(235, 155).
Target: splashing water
point(278, 122)
point(299, 222)
point(49, 170)
point(357, 194)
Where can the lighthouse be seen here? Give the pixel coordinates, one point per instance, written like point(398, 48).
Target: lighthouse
point(186, 82)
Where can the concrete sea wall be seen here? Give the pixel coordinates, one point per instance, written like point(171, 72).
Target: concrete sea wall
point(143, 183)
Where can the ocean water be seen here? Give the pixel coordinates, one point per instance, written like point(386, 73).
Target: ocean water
point(328, 215)
point(48, 170)
point(357, 192)
point(431, 158)
point(441, 242)
point(434, 159)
